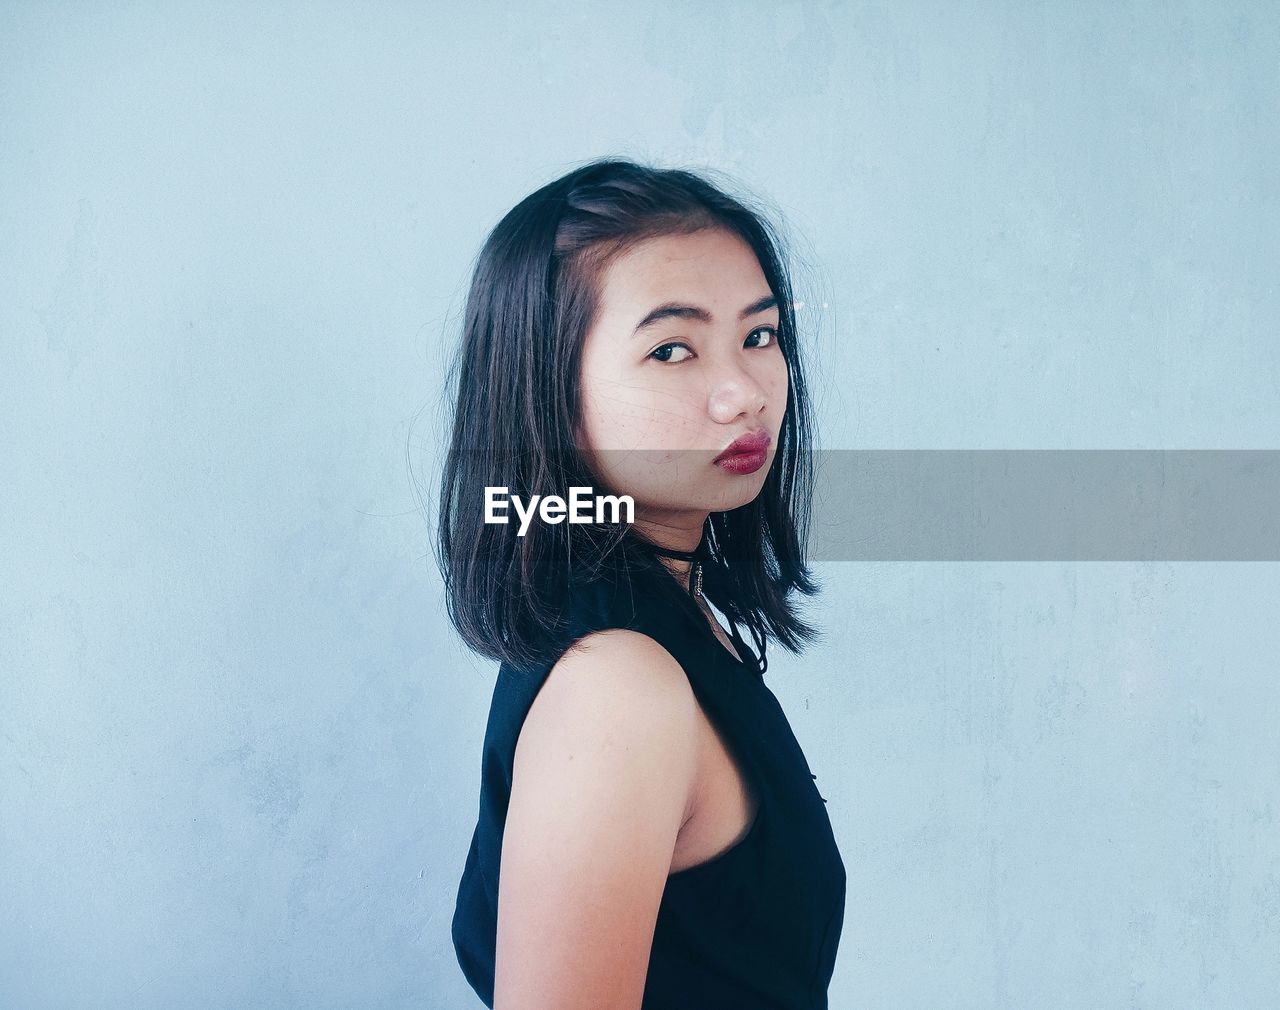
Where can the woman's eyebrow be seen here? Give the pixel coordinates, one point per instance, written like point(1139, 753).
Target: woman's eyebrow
point(674, 310)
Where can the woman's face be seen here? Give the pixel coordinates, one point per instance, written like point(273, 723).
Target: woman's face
point(662, 399)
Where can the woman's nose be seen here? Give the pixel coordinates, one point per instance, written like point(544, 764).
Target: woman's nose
point(735, 393)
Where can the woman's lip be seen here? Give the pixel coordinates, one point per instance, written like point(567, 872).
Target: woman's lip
point(742, 462)
point(752, 444)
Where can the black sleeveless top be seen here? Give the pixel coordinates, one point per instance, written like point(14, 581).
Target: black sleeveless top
point(756, 926)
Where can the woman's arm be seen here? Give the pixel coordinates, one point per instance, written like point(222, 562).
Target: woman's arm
point(604, 775)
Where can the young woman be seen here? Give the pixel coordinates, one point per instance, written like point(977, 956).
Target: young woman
point(649, 834)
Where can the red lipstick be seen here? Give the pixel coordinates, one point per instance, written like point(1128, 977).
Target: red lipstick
point(745, 454)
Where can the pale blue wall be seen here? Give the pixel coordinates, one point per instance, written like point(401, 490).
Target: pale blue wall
point(238, 742)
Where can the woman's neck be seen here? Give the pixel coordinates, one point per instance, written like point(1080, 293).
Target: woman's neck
point(680, 569)
point(675, 537)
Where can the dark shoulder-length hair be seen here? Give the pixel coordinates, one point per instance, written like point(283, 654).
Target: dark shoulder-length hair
point(532, 300)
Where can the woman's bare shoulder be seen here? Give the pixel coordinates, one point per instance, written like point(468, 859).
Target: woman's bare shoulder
point(622, 679)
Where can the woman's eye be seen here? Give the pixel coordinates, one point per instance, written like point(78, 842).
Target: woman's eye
point(663, 353)
point(767, 335)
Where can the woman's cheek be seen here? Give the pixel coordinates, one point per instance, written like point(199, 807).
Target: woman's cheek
point(782, 388)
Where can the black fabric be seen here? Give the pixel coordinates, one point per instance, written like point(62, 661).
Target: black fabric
point(755, 927)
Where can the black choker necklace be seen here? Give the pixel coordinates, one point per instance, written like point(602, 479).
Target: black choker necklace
point(667, 552)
